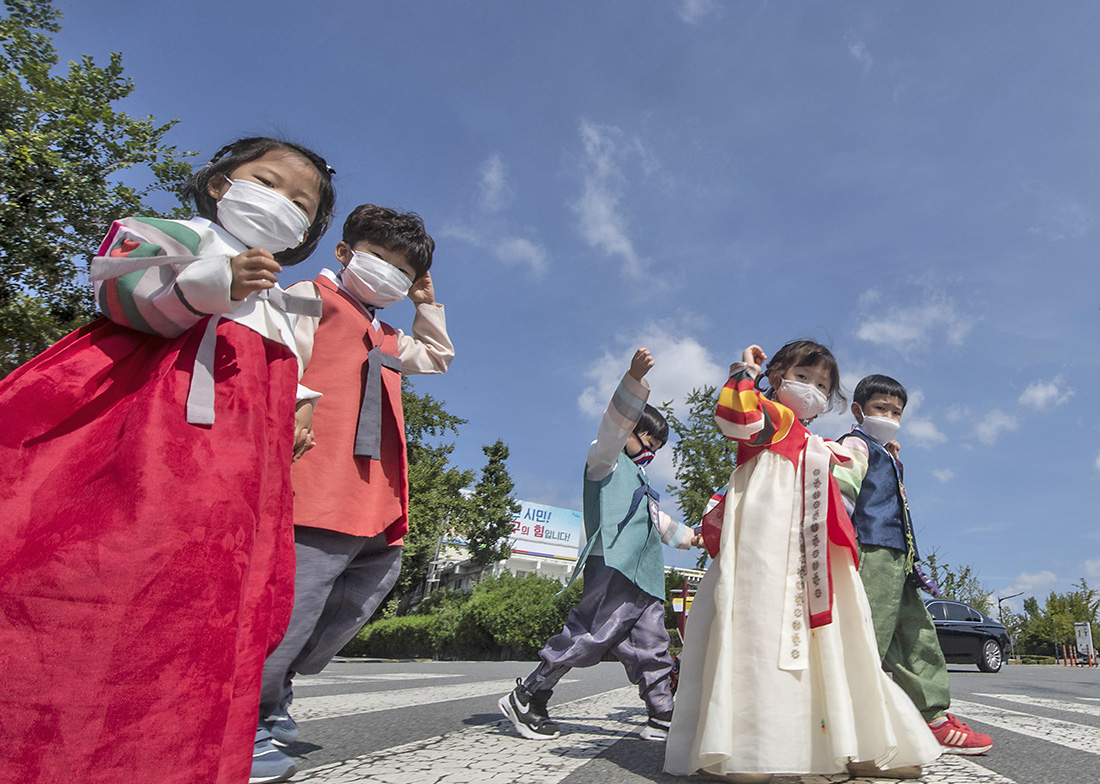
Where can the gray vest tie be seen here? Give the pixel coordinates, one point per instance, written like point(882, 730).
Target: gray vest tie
point(368, 433)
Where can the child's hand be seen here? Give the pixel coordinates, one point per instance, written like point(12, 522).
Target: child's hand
point(697, 541)
point(641, 364)
point(253, 270)
point(303, 429)
point(423, 292)
point(303, 442)
point(893, 447)
point(755, 358)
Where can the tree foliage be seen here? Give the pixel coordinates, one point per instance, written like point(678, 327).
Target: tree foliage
point(490, 510)
point(702, 456)
point(1037, 629)
point(62, 147)
point(434, 486)
point(959, 583)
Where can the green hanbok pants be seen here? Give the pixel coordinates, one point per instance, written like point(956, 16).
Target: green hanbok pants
point(906, 636)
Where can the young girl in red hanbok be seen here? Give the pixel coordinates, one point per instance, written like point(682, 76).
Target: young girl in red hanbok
point(146, 541)
point(780, 671)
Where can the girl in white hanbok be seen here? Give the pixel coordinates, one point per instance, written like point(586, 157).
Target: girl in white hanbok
point(780, 672)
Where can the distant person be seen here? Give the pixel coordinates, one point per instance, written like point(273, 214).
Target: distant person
point(146, 541)
point(779, 672)
point(906, 636)
point(351, 494)
point(621, 610)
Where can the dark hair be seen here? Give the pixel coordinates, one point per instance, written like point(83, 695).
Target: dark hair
point(652, 422)
point(879, 385)
point(805, 353)
point(245, 151)
point(400, 232)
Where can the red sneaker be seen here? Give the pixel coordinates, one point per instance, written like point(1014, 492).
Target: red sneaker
point(957, 738)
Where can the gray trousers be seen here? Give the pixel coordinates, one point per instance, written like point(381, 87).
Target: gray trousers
point(613, 615)
point(339, 581)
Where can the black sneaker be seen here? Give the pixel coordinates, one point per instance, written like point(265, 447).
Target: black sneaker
point(527, 712)
point(657, 727)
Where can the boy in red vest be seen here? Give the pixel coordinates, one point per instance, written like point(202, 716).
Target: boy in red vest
point(351, 495)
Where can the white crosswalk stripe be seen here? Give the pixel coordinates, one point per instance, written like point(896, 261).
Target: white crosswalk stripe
point(335, 679)
point(1046, 702)
point(337, 705)
point(1065, 733)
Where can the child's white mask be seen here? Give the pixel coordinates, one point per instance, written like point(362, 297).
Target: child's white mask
point(374, 281)
point(881, 429)
point(805, 400)
point(261, 217)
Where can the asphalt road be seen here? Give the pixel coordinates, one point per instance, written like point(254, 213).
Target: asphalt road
point(420, 722)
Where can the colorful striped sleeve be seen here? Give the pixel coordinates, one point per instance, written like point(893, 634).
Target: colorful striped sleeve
point(673, 533)
point(743, 414)
point(618, 423)
point(150, 275)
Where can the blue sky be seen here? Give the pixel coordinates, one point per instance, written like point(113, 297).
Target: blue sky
point(915, 184)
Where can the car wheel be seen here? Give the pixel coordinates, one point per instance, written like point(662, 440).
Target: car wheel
point(991, 659)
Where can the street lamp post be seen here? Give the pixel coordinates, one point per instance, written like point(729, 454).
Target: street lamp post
point(1000, 617)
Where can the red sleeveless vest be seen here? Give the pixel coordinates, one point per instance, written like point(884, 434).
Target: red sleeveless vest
point(334, 489)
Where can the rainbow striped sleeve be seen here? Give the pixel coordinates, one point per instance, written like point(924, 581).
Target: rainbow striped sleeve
point(147, 298)
point(744, 414)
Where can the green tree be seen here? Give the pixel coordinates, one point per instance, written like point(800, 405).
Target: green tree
point(1053, 623)
point(62, 147)
point(959, 583)
point(703, 458)
point(491, 510)
point(435, 487)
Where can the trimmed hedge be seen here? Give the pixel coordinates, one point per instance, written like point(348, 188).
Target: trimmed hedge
point(506, 617)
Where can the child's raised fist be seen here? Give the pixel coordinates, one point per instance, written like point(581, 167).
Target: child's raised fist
point(641, 364)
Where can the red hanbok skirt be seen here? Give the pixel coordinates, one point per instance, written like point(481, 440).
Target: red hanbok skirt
point(146, 564)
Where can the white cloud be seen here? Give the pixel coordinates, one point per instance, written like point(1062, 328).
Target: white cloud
point(1098, 462)
point(1060, 216)
point(496, 193)
point(692, 11)
point(922, 432)
point(603, 224)
point(957, 413)
point(943, 474)
point(490, 232)
point(989, 429)
point(521, 251)
point(1027, 584)
point(681, 364)
point(1092, 568)
point(917, 325)
point(1046, 394)
point(858, 49)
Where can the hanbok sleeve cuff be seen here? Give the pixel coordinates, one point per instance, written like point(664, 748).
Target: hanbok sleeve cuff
point(204, 284)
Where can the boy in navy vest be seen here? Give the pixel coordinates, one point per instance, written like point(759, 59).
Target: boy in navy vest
point(622, 607)
point(906, 636)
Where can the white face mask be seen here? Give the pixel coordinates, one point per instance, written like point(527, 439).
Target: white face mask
point(374, 281)
point(805, 400)
point(881, 429)
point(261, 217)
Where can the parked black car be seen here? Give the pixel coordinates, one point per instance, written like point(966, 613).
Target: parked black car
point(968, 636)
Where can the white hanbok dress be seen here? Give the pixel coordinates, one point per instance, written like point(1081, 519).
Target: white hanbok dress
point(760, 690)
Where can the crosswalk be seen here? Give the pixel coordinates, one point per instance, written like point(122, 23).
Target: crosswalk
point(492, 753)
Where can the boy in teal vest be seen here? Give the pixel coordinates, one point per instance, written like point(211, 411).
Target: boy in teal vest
point(622, 607)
